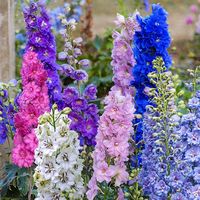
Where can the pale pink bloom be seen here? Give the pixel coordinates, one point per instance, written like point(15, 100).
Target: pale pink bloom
point(120, 20)
point(103, 172)
point(93, 189)
point(121, 175)
point(99, 154)
point(117, 147)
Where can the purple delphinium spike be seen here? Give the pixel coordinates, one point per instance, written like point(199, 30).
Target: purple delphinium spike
point(41, 40)
point(84, 113)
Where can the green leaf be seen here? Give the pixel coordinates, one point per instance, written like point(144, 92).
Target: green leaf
point(97, 42)
point(106, 79)
point(23, 184)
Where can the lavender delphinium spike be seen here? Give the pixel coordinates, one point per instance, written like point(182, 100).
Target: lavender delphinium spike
point(188, 149)
point(159, 176)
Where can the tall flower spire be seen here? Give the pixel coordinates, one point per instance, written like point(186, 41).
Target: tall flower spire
point(80, 96)
point(159, 176)
point(42, 41)
point(115, 125)
point(151, 41)
point(59, 166)
point(33, 102)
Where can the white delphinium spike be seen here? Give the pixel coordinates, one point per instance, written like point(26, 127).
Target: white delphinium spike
point(59, 166)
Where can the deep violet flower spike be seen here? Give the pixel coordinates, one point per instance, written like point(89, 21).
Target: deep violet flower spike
point(84, 113)
point(41, 40)
point(151, 41)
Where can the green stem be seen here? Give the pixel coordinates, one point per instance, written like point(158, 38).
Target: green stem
point(53, 117)
point(30, 185)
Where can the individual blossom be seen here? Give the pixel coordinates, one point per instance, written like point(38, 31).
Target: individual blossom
point(59, 166)
point(115, 125)
point(90, 92)
point(41, 40)
point(33, 102)
point(151, 41)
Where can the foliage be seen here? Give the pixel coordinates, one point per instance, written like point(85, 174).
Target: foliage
point(15, 181)
point(98, 51)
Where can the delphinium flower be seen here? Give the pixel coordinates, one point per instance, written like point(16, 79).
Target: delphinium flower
point(115, 125)
point(151, 41)
point(159, 176)
point(8, 107)
point(72, 10)
point(122, 55)
point(188, 149)
point(33, 101)
point(59, 166)
point(41, 40)
point(78, 96)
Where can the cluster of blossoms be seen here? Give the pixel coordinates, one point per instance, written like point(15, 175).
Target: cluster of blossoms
point(59, 166)
point(188, 150)
point(33, 102)
point(194, 17)
point(159, 176)
point(115, 125)
point(122, 54)
point(84, 113)
point(41, 40)
point(150, 42)
point(8, 108)
point(72, 10)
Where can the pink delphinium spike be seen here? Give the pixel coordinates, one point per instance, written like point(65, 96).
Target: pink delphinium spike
point(115, 125)
point(33, 102)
